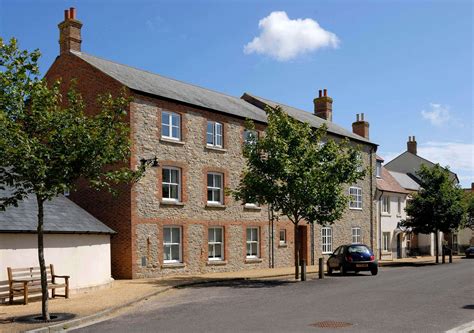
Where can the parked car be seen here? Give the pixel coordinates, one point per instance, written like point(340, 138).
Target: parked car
point(352, 258)
point(469, 252)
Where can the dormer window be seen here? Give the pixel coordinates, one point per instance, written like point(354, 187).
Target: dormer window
point(378, 169)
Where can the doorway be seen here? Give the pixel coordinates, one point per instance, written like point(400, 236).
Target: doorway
point(303, 241)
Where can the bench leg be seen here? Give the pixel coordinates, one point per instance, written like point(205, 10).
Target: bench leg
point(11, 297)
point(66, 290)
point(53, 293)
point(25, 295)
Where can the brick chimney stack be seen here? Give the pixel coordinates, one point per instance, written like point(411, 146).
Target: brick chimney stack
point(323, 106)
point(411, 145)
point(360, 126)
point(70, 32)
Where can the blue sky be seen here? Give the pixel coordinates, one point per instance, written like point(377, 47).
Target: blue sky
point(406, 64)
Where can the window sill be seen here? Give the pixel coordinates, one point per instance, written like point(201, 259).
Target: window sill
point(176, 142)
point(283, 245)
point(398, 215)
point(386, 215)
point(173, 265)
point(354, 208)
point(253, 260)
point(216, 262)
point(327, 253)
point(215, 206)
point(171, 203)
point(216, 149)
point(252, 208)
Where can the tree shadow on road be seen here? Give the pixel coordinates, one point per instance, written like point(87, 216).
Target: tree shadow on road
point(241, 284)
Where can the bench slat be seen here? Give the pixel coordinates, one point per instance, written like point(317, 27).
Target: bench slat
point(28, 269)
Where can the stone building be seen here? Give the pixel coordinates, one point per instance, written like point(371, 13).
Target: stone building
point(177, 219)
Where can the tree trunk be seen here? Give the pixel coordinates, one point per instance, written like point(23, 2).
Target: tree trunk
point(44, 281)
point(437, 246)
point(312, 243)
point(297, 252)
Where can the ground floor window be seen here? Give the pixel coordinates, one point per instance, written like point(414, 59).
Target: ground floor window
point(356, 235)
point(282, 236)
point(386, 242)
point(172, 244)
point(326, 239)
point(253, 250)
point(215, 243)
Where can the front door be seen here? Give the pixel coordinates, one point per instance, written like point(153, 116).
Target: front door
point(303, 242)
point(399, 245)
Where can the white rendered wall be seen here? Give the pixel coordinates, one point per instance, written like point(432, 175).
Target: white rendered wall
point(389, 221)
point(85, 258)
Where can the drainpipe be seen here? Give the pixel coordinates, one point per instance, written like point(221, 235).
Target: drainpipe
point(380, 224)
point(371, 196)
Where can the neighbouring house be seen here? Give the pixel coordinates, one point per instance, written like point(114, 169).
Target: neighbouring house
point(403, 168)
point(178, 219)
point(466, 236)
point(391, 200)
point(75, 242)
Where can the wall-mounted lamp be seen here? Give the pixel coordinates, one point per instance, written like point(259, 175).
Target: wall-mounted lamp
point(153, 162)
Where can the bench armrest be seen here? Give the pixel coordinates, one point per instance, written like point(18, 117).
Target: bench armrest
point(62, 276)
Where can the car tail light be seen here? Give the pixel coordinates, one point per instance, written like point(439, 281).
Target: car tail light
point(349, 258)
point(372, 257)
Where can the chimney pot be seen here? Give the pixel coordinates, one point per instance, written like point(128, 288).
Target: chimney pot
point(323, 105)
point(360, 126)
point(411, 145)
point(70, 32)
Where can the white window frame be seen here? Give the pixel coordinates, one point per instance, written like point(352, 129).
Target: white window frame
point(355, 194)
point(169, 115)
point(216, 134)
point(385, 242)
point(386, 204)
point(247, 138)
point(215, 188)
point(169, 184)
point(378, 169)
point(282, 241)
point(252, 241)
point(399, 206)
point(356, 235)
point(360, 168)
point(171, 243)
point(326, 240)
point(212, 244)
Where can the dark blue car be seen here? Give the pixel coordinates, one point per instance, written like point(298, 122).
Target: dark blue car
point(469, 252)
point(352, 258)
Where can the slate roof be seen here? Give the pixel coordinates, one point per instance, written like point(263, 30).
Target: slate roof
point(405, 181)
point(61, 215)
point(388, 183)
point(157, 85)
point(305, 116)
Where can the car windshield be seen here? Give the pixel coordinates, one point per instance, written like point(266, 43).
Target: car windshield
point(358, 249)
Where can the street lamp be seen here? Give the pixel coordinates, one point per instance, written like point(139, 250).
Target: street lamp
point(153, 162)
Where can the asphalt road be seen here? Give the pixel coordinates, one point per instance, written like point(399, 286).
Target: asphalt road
point(403, 299)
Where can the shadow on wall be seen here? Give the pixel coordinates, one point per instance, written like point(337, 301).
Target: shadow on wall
point(14, 241)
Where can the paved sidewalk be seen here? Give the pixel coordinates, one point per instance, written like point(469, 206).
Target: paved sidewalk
point(124, 293)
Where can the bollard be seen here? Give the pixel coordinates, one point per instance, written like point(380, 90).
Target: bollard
point(443, 259)
point(303, 270)
point(450, 256)
point(321, 268)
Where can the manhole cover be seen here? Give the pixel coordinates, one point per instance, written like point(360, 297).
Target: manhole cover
point(36, 318)
point(331, 324)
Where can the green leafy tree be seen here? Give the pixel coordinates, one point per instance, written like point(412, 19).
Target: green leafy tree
point(290, 169)
point(47, 144)
point(437, 206)
point(469, 210)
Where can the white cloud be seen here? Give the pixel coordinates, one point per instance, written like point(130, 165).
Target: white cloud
point(459, 156)
point(438, 115)
point(285, 39)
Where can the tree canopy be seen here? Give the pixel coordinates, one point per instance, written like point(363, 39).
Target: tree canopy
point(47, 142)
point(298, 170)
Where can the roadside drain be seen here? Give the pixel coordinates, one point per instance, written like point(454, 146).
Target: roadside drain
point(331, 324)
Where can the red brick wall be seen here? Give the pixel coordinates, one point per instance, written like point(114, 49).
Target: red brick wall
point(115, 212)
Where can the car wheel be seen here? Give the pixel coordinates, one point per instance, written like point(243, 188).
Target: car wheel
point(374, 271)
point(329, 270)
point(343, 270)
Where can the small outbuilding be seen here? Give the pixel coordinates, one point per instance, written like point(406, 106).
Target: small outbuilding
point(75, 242)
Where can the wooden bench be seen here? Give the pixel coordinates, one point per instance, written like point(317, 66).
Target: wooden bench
point(22, 281)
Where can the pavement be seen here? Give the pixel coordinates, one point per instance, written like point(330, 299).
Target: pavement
point(123, 294)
